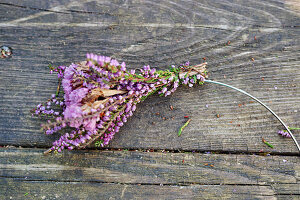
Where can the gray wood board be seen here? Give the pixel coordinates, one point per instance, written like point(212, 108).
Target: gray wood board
point(161, 33)
point(77, 190)
point(26, 173)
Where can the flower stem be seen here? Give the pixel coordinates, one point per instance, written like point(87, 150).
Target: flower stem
point(58, 88)
point(269, 109)
point(267, 143)
point(181, 129)
point(294, 128)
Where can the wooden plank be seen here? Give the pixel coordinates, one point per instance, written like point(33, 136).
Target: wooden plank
point(150, 175)
point(160, 34)
point(286, 189)
point(149, 168)
point(15, 189)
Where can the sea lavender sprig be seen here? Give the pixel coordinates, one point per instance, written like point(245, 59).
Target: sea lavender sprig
point(100, 95)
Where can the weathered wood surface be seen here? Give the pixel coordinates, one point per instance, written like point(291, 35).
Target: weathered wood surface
point(253, 45)
point(161, 33)
point(143, 175)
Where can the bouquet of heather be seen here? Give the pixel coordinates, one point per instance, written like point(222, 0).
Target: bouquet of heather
point(100, 94)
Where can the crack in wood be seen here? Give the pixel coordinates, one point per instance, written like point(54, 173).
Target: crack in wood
point(179, 184)
point(128, 183)
point(220, 152)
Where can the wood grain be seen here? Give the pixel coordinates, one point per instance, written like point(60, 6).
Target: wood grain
point(253, 45)
point(146, 175)
point(160, 33)
point(79, 190)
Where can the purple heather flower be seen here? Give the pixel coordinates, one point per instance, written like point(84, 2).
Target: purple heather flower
point(139, 86)
point(284, 133)
point(164, 90)
point(78, 82)
point(72, 111)
point(105, 118)
point(100, 126)
point(66, 84)
point(132, 71)
point(90, 124)
point(77, 95)
point(130, 113)
point(133, 108)
point(128, 108)
point(153, 70)
point(88, 56)
point(123, 67)
point(114, 62)
point(107, 59)
point(120, 124)
point(175, 85)
point(167, 93)
point(107, 113)
point(69, 72)
point(164, 81)
point(117, 129)
point(146, 68)
point(48, 132)
point(186, 80)
point(70, 147)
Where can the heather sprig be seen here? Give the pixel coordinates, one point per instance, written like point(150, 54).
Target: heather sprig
point(284, 133)
point(100, 94)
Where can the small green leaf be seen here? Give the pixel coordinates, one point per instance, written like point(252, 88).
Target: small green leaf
point(267, 143)
point(98, 143)
point(186, 75)
point(181, 129)
point(195, 78)
point(294, 128)
point(150, 81)
point(168, 77)
point(139, 76)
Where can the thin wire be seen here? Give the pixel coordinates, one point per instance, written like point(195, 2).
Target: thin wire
point(269, 109)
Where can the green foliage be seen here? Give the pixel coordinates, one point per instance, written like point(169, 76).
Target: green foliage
point(98, 143)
